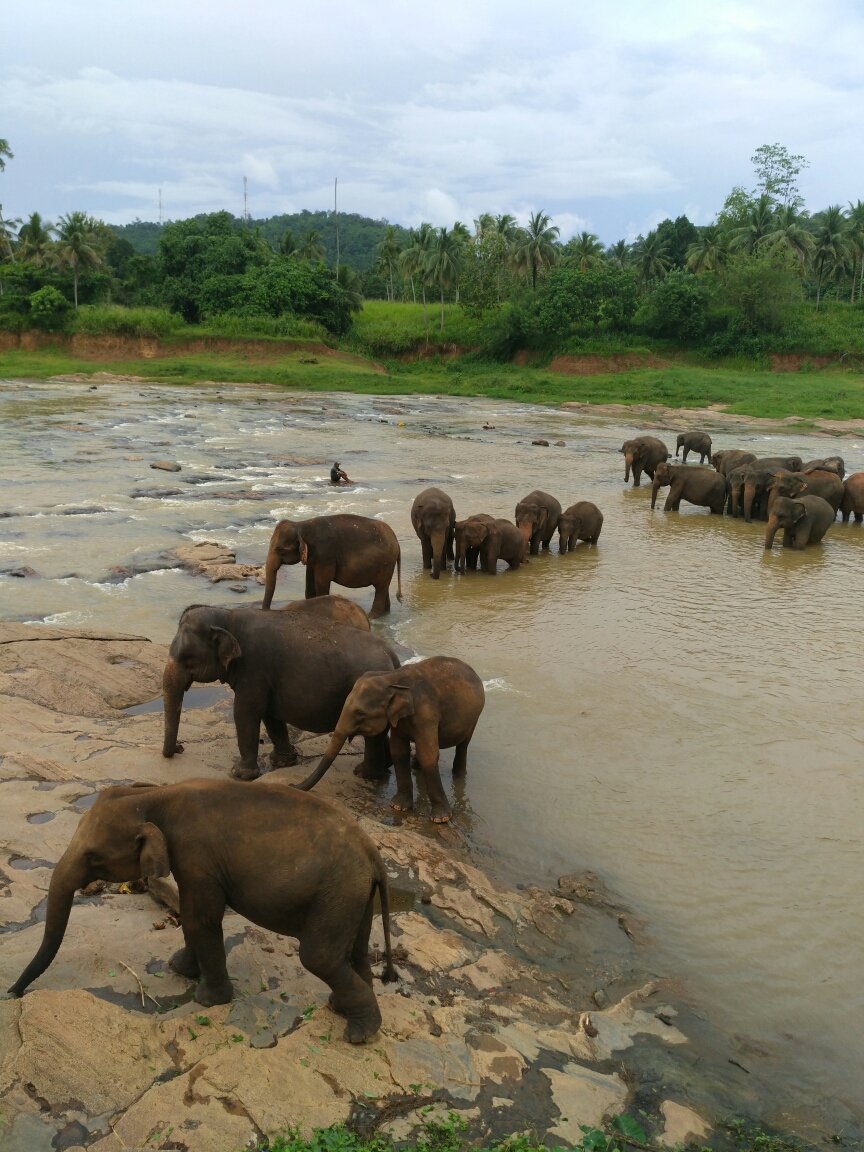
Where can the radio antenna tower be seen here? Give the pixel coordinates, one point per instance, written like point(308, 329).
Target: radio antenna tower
point(336, 214)
point(160, 207)
point(245, 202)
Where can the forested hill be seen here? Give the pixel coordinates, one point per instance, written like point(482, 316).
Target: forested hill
point(358, 235)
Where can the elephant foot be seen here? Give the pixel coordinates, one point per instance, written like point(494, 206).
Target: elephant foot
point(169, 752)
point(402, 803)
point(283, 759)
point(359, 1030)
point(366, 773)
point(208, 996)
point(440, 813)
point(241, 772)
point(185, 963)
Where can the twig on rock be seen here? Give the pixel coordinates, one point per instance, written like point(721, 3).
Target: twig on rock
point(140, 985)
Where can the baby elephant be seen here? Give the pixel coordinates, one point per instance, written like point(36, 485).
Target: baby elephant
point(435, 704)
point(295, 864)
point(694, 442)
point(581, 521)
point(804, 521)
point(491, 540)
point(695, 485)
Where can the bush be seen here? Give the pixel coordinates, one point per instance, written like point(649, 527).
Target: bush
point(677, 307)
point(761, 291)
point(115, 320)
point(49, 309)
point(575, 299)
point(297, 326)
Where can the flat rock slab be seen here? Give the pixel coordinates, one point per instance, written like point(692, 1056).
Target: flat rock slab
point(166, 466)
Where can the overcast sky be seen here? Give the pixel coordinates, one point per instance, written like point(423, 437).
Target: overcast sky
point(609, 116)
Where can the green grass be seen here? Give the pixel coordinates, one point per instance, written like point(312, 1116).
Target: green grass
point(390, 330)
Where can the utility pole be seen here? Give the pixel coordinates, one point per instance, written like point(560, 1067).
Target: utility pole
point(336, 214)
point(160, 207)
point(245, 202)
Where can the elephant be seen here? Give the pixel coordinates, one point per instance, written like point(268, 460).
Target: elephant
point(537, 518)
point(284, 667)
point(434, 519)
point(694, 442)
point(337, 608)
point(294, 864)
point(433, 704)
point(467, 554)
point(581, 521)
point(492, 540)
point(643, 455)
point(696, 485)
point(828, 485)
point(853, 497)
point(355, 551)
point(726, 462)
point(804, 521)
point(735, 489)
point(827, 464)
point(759, 479)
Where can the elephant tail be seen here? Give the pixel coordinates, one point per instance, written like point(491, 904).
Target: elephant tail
point(399, 575)
point(384, 892)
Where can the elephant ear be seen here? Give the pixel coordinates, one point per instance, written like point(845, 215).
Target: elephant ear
point(152, 852)
point(227, 648)
point(799, 511)
point(482, 531)
point(401, 703)
point(543, 516)
point(304, 551)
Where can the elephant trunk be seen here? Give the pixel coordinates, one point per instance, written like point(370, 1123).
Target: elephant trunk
point(526, 529)
point(332, 751)
point(175, 683)
point(69, 876)
point(270, 569)
point(773, 525)
point(439, 558)
point(749, 497)
point(628, 464)
point(655, 488)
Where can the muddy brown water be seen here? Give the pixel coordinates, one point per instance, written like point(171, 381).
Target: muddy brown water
point(675, 708)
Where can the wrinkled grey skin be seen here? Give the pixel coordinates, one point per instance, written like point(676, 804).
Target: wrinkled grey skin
point(726, 462)
point(284, 667)
point(827, 464)
point(696, 485)
point(853, 497)
point(434, 520)
point(804, 521)
point(694, 442)
point(492, 540)
point(537, 518)
point(643, 454)
point(828, 485)
point(467, 543)
point(581, 521)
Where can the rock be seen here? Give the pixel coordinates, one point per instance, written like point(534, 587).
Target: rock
point(25, 572)
point(216, 561)
point(616, 1026)
point(495, 1060)
point(600, 998)
point(430, 948)
point(73, 1135)
point(237, 587)
point(492, 970)
point(166, 466)
point(683, 1125)
point(542, 443)
point(442, 1064)
point(560, 444)
point(583, 1096)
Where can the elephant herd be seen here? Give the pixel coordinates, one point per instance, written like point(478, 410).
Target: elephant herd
point(801, 498)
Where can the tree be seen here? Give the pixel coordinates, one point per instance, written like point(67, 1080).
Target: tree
point(536, 249)
point(35, 238)
point(349, 282)
point(311, 249)
point(708, 252)
point(576, 298)
point(831, 244)
point(506, 233)
point(288, 245)
point(856, 229)
point(583, 251)
point(618, 254)
point(677, 235)
point(6, 152)
point(776, 173)
point(444, 262)
point(8, 234)
point(789, 232)
point(415, 258)
point(76, 233)
point(677, 307)
point(389, 250)
point(736, 209)
point(758, 226)
point(650, 257)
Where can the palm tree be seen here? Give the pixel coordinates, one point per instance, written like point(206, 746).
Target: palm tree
point(856, 227)
point(484, 224)
point(831, 244)
point(585, 251)
point(760, 224)
point(506, 231)
point(415, 258)
point(311, 249)
point(288, 245)
point(74, 248)
point(4, 151)
point(8, 234)
point(709, 252)
point(618, 254)
point(537, 247)
point(35, 239)
point(651, 257)
point(790, 232)
point(389, 251)
point(444, 261)
point(349, 282)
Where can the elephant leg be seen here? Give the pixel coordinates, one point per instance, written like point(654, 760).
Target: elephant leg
point(684, 457)
point(787, 538)
point(535, 544)
point(185, 962)
point(323, 579)
point(802, 535)
point(376, 759)
point(310, 581)
point(201, 917)
point(284, 754)
point(859, 516)
point(381, 603)
point(325, 953)
point(460, 757)
point(637, 475)
point(400, 750)
point(247, 721)
point(426, 547)
point(427, 754)
point(360, 949)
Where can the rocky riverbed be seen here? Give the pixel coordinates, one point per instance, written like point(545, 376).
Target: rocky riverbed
point(521, 1009)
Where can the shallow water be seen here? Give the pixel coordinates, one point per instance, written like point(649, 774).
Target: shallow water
point(675, 709)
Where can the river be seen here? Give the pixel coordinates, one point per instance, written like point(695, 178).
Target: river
point(675, 708)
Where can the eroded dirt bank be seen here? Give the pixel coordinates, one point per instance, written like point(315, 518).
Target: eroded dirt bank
point(524, 1008)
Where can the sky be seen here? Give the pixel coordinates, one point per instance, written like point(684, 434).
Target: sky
point(608, 116)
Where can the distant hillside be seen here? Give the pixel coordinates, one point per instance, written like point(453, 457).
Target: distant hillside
point(358, 235)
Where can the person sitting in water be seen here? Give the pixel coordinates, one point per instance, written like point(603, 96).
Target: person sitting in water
point(337, 476)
